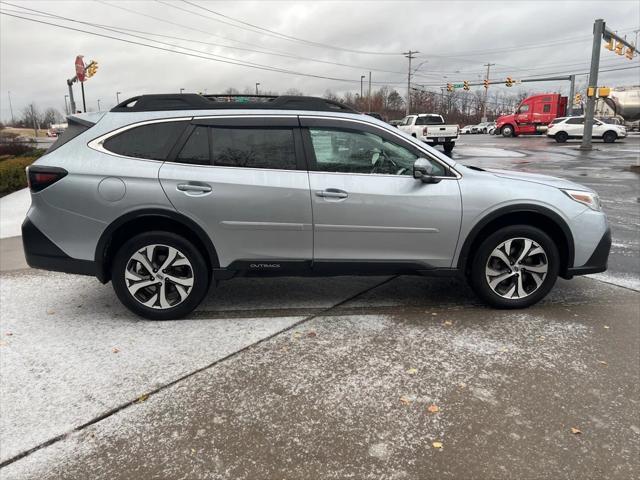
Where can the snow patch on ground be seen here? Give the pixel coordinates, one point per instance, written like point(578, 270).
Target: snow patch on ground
point(13, 209)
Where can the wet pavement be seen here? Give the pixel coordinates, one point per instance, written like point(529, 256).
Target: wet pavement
point(334, 378)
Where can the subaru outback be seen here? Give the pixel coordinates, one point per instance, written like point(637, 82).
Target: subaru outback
point(165, 195)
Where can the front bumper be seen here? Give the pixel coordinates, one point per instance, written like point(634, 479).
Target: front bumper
point(598, 260)
point(42, 253)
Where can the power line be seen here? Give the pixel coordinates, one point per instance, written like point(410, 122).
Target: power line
point(275, 33)
point(124, 30)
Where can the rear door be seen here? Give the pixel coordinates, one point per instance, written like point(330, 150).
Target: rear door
point(367, 207)
point(244, 180)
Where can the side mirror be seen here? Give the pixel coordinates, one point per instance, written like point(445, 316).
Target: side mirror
point(424, 170)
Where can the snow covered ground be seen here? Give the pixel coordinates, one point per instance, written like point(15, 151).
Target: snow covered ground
point(13, 209)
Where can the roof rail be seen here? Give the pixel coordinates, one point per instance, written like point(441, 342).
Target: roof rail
point(194, 101)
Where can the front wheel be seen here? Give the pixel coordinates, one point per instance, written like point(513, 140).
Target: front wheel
point(507, 131)
point(160, 275)
point(515, 267)
point(609, 137)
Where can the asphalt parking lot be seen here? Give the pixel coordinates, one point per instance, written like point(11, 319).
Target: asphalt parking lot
point(369, 377)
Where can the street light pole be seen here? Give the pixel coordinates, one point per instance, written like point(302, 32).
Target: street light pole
point(118, 98)
point(181, 90)
point(361, 79)
point(66, 108)
point(98, 104)
point(257, 85)
point(13, 122)
point(369, 96)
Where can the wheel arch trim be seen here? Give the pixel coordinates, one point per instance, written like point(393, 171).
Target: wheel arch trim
point(549, 214)
point(105, 238)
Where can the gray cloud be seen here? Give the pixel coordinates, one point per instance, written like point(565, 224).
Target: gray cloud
point(451, 37)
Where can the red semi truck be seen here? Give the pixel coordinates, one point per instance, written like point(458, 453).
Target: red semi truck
point(532, 115)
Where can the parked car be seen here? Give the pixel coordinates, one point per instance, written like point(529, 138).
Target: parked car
point(165, 195)
point(395, 123)
point(375, 115)
point(564, 128)
point(482, 127)
point(431, 129)
point(491, 128)
point(466, 129)
point(532, 115)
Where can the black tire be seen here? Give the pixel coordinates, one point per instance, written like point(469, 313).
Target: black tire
point(448, 147)
point(507, 131)
point(199, 274)
point(561, 137)
point(478, 274)
point(609, 137)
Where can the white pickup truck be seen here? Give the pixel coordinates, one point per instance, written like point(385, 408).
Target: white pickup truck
point(430, 128)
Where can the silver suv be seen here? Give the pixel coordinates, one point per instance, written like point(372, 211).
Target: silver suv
point(166, 194)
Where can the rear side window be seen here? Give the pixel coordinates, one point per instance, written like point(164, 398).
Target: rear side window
point(557, 120)
point(576, 121)
point(429, 120)
point(72, 131)
point(196, 149)
point(254, 148)
point(152, 141)
point(546, 108)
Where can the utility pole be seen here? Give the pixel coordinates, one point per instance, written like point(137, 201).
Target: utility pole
point(572, 92)
point(410, 55)
point(361, 90)
point(486, 93)
point(598, 31)
point(13, 121)
point(369, 96)
point(66, 107)
point(35, 122)
point(257, 85)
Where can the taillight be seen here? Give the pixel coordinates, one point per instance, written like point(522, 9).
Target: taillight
point(424, 132)
point(39, 177)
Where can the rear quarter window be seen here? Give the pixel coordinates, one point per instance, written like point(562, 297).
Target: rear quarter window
point(152, 141)
point(74, 128)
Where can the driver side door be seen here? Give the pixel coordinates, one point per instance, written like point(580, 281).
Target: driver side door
point(367, 207)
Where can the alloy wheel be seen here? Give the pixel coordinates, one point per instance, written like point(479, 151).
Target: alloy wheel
point(516, 268)
point(159, 276)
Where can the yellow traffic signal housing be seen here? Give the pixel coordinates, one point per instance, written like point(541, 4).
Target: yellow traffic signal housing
point(577, 99)
point(619, 47)
point(92, 68)
point(466, 85)
point(610, 44)
point(591, 92)
point(449, 87)
point(486, 83)
point(509, 82)
point(604, 91)
point(629, 53)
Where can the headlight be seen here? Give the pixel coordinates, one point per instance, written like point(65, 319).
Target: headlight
point(591, 200)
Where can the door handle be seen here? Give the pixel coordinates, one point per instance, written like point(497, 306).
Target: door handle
point(332, 193)
point(193, 188)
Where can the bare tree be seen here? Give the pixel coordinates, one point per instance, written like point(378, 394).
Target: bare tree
point(50, 116)
point(294, 91)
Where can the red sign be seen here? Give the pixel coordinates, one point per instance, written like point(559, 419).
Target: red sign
point(80, 69)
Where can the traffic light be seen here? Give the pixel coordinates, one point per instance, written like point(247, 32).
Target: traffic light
point(92, 68)
point(609, 45)
point(466, 85)
point(577, 100)
point(486, 83)
point(619, 47)
point(629, 53)
point(449, 87)
point(509, 82)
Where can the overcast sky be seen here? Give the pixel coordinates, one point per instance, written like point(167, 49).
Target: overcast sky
point(454, 38)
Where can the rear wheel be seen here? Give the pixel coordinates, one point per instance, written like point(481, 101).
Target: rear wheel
point(507, 131)
point(609, 137)
point(561, 137)
point(448, 147)
point(160, 275)
point(515, 267)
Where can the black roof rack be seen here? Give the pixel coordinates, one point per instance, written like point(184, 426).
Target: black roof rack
point(194, 101)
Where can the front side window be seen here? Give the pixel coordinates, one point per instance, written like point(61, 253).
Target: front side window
point(353, 151)
point(196, 149)
point(254, 148)
point(523, 109)
point(152, 141)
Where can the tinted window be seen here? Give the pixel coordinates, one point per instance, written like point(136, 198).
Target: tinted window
point(429, 120)
point(576, 121)
point(72, 131)
point(546, 108)
point(351, 151)
point(557, 120)
point(196, 150)
point(254, 148)
point(153, 141)
point(523, 109)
